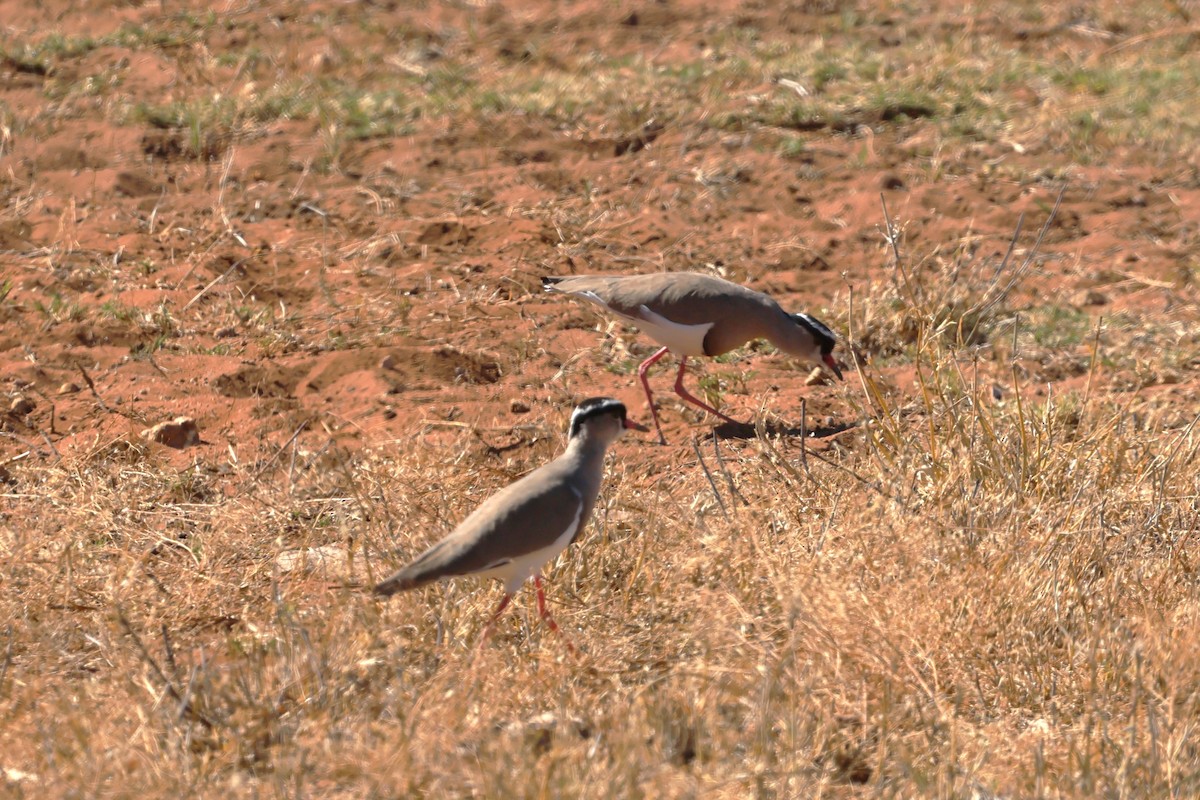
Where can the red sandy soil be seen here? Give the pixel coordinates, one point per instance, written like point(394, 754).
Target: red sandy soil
point(401, 287)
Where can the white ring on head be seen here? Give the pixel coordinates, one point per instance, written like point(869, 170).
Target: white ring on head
point(594, 407)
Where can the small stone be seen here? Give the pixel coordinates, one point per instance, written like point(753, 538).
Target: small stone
point(228, 332)
point(1090, 297)
point(388, 362)
point(389, 413)
point(178, 433)
point(68, 388)
point(519, 407)
point(21, 406)
point(816, 378)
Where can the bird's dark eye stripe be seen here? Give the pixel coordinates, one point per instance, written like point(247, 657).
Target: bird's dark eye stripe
point(594, 407)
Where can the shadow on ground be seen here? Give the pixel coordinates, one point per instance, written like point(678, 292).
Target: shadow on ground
point(745, 430)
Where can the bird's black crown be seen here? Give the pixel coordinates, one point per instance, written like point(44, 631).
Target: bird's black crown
point(820, 332)
point(594, 407)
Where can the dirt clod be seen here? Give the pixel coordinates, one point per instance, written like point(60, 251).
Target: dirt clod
point(178, 433)
point(817, 377)
point(1089, 297)
point(21, 406)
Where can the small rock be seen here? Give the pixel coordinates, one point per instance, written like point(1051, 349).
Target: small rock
point(178, 433)
point(21, 406)
point(227, 332)
point(389, 413)
point(68, 388)
point(519, 407)
point(1090, 297)
point(816, 378)
point(388, 362)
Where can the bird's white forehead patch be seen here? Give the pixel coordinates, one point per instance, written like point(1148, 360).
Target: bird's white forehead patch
point(595, 407)
point(816, 324)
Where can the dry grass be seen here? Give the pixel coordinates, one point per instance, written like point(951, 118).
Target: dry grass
point(987, 588)
point(970, 595)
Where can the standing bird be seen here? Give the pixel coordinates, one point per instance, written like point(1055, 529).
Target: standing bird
point(691, 314)
point(528, 523)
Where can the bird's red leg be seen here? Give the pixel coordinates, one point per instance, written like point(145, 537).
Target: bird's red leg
point(642, 370)
point(545, 613)
point(682, 392)
point(495, 616)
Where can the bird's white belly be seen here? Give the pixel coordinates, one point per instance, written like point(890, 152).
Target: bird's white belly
point(682, 340)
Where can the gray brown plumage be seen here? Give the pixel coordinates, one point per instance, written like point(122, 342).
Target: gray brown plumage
point(526, 524)
point(694, 315)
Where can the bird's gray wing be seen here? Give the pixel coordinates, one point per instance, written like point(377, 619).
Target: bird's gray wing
point(526, 516)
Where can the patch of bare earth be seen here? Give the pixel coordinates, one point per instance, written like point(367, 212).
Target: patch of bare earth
point(316, 230)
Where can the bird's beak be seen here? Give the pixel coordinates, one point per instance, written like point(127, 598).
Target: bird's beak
point(829, 362)
point(636, 426)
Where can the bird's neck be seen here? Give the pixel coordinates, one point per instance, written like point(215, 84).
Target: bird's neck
point(585, 458)
point(585, 447)
point(785, 334)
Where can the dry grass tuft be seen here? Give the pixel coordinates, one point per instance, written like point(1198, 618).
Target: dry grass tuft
point(969, 594)
point(985, 586)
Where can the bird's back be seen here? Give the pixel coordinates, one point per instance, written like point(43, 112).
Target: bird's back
point(522, 518)
point(737, 314)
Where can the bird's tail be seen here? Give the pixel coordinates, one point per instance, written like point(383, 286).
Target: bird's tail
point(401, 581)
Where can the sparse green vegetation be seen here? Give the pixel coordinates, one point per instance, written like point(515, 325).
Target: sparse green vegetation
point(115, 310)
point(1061, 326)
point(319, 230)
point(58, 309)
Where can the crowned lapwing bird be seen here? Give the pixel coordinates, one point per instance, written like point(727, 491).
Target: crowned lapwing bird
point(694, 315)
point(527, 524)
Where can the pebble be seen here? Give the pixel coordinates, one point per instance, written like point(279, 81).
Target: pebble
point(178, 433)
point(1090, 297)
point(816, 378)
